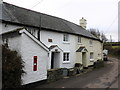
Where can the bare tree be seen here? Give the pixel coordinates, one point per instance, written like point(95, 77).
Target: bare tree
point(103, 37)
point(98, 34)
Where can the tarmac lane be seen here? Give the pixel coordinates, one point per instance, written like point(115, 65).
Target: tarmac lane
point(110, 79)
point(106, 77)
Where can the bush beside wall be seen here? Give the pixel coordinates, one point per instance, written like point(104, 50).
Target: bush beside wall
point(12, 68)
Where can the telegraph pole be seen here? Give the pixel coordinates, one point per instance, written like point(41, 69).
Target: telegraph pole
point(110, 38)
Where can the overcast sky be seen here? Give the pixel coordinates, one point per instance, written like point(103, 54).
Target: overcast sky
point(100, 14)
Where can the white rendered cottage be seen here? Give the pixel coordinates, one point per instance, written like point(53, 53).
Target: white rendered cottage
point(33, 52)
point(67, 42)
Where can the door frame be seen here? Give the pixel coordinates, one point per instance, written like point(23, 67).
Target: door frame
point(55, 60)
point(84, 59)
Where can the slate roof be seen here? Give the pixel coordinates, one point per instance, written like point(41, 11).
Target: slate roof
point(52, 46)
point(81, 48)
point(18, 15)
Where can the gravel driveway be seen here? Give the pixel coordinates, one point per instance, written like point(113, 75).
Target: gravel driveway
point(106, 77)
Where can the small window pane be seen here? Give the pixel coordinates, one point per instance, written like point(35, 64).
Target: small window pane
point(65, 56)
point(91, 55)
point(79, 39)
point(65, 37)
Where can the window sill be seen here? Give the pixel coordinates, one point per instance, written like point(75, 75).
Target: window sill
point(66, 62)
point(91, 45)
point(91, 60)
point(66, 42)
point(79, 43)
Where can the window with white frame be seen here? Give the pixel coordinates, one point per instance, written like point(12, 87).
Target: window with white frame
point(91, 55)
point(79, 39)
point(32, 31)
point(66, 37)
point(66, 57)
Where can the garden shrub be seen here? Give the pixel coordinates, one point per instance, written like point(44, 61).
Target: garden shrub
point(12, 68)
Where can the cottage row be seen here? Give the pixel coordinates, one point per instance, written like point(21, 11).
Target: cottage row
point(47, 42)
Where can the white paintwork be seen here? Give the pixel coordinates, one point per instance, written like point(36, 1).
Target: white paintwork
point(8, 27)
point(56, 59)
point(28, 48)
point(71, 47)
point(33, 31)
point(57, 39)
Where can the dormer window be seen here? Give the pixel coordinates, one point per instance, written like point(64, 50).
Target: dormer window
point(66, 37)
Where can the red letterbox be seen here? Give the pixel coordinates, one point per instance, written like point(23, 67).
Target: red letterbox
point(35, 63)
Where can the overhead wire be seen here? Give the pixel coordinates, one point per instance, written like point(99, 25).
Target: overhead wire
point(36, 4)
point(112, 23)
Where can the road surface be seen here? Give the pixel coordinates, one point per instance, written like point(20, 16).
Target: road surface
point(106, 77)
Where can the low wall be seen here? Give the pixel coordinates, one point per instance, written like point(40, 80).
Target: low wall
point(57, 74)
point(54, 75)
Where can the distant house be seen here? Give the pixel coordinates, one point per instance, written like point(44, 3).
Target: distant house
point(55, 42)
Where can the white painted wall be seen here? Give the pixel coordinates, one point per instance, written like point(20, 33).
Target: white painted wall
point(71, 47)
point(8, 27)
point(33, 31)
point(57, 39)
point(14, 43)
point(56, 59)
point(27, 48)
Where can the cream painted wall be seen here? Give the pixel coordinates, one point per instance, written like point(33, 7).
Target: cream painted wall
point(96, 48)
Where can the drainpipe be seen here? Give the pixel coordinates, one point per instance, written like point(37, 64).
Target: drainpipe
point(39, 30)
